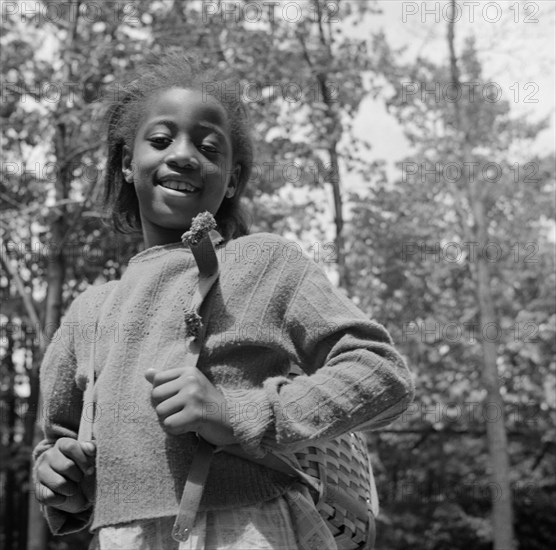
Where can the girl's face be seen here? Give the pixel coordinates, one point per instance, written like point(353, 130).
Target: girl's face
point(181, 163)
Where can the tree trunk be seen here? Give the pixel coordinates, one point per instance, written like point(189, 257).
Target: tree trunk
point(334, 131)
point(37, 531)
point(339, 241)
point(493, 411)
point(10, 510)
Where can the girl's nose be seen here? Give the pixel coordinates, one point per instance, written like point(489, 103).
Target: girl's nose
point(182, 153)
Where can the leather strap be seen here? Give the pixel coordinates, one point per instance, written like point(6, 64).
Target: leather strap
point(207, 262)
point(198, 471)
point(279, 462)
point(88, 411)
point(193, 491)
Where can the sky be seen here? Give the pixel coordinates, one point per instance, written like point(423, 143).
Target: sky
point(516, 43)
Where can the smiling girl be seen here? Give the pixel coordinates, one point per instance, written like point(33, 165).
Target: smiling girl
point(181, 163)
point(176, 150)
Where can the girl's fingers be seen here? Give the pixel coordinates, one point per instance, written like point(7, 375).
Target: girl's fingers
point(164, 391)
point(74, 504)
point(89, 448)
point(57, 483)
point(55, 461)
point(156, 378)
point(67, 469)
point(73, 450)
point(150, 374)
point(179, 423)
point(169, 406)
point(48, 497)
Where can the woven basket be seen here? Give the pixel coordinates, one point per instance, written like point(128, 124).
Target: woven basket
point(349, 494)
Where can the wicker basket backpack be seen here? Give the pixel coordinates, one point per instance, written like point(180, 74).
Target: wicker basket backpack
point(340, 474)
point(340, 478)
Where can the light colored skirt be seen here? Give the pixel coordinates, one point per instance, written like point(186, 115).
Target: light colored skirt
point(288, 522)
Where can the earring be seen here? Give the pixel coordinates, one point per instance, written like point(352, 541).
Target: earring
point(128, 175)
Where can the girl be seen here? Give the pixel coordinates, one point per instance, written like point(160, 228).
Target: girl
point(179, 145)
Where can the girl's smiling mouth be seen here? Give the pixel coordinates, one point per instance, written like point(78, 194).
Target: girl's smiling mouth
point(177, 184)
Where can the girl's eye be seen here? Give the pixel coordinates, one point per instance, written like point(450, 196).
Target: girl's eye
point(208, 148)
point(160, 141)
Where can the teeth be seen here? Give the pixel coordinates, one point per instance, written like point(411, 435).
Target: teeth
point(178, 186)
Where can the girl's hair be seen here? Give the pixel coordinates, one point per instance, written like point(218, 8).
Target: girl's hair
point(174, 70)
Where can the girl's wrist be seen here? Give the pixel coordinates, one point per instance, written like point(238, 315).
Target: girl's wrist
point(216, 426)
point(217, 434)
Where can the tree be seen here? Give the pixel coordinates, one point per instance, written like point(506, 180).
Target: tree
point(449, 248)
point(303, 79)
point(54, 117)
point(502, 510)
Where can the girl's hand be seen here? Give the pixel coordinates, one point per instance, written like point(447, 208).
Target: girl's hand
point(60, 471)
point(186, 401)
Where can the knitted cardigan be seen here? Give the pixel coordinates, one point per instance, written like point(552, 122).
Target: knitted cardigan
point(271, 307)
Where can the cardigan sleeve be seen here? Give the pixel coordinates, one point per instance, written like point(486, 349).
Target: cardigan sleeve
point(61, 410)
point(352, 375)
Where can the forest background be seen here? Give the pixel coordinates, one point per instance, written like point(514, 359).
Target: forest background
point(408, 147)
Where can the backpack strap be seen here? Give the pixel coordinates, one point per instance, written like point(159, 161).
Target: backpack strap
point(86, 422)
point(201, 243)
